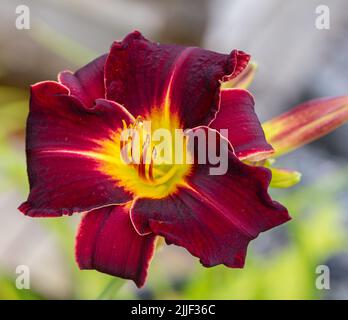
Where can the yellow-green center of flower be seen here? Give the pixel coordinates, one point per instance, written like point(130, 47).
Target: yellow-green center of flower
point(148, 156)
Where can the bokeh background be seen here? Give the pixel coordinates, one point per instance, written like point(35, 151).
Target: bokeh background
point(296, 62)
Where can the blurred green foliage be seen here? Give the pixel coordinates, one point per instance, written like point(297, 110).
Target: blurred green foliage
point(288, 272)
point(8, 290)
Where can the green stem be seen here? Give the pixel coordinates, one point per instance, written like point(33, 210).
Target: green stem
point(111, 289)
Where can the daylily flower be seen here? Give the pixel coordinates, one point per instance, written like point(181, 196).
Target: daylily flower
point(73, 157)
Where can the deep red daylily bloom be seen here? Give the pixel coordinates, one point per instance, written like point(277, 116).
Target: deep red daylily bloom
point(72, 139)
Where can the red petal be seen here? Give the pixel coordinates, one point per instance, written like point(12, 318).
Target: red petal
point(215, 217)
point(107, 241)
point(60, 134)
point(245, 132)
point(244, 79)
point(87, 84)
point(142, 75)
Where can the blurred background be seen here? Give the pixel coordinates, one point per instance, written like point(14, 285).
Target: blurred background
point(296, 62)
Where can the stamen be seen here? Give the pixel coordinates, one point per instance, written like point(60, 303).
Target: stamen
point(145, 166)
point(153, 157)
point(143, 158)
point(141, 168)
point(124, 125)
point(133, 139)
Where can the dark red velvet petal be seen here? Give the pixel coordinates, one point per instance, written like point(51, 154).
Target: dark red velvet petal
point(245, 133)
point(141, 75)
point(215, 217)
point(61, 132)
point(87, 83)
point(107, 241)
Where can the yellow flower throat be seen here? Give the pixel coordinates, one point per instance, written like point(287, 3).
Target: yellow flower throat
point(145, 157)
